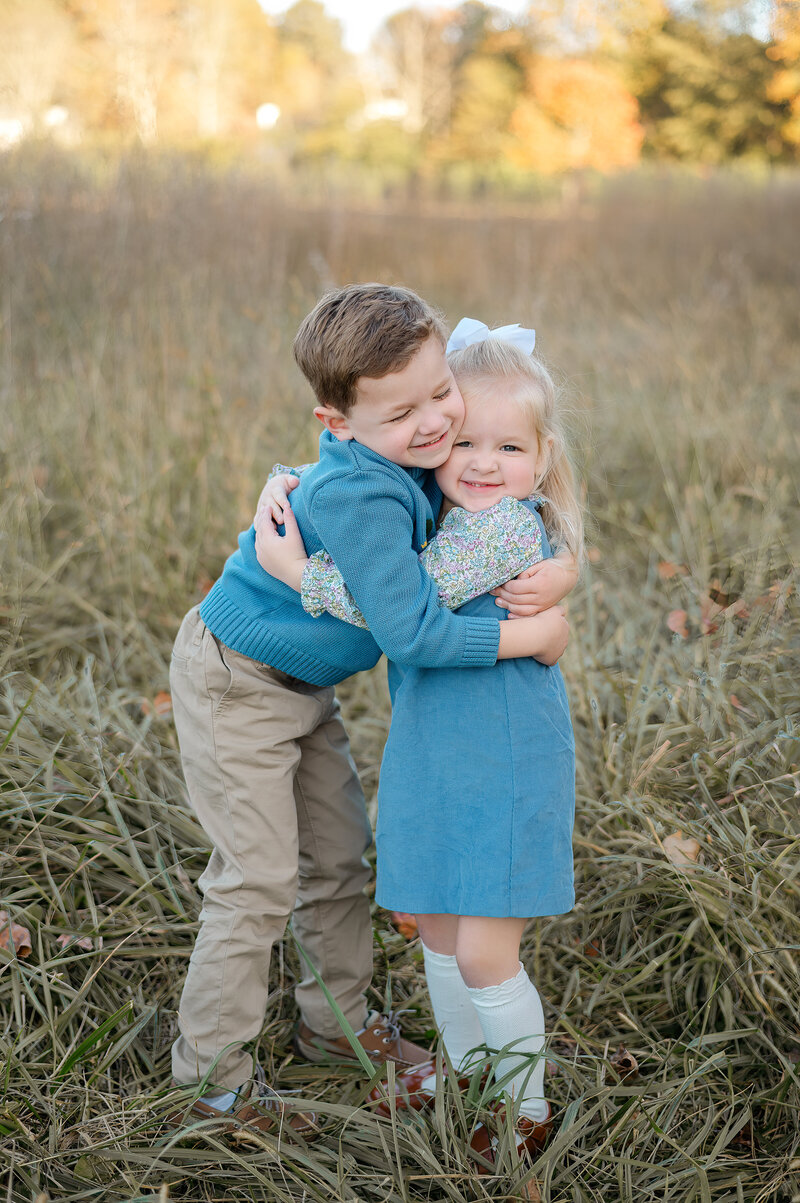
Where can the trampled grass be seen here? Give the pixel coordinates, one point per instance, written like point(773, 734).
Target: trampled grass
point(147, 386)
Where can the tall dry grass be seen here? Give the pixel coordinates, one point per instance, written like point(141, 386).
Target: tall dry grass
point(147, 385)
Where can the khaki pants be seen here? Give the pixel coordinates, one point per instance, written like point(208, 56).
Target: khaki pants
point(270, 777)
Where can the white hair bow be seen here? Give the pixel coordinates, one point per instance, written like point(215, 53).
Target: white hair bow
point(469, 330)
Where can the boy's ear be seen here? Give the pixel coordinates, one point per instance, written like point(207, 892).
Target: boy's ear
point(334, 421)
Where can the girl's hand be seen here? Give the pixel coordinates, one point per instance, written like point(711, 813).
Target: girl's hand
point(538, 587)
point(274, 500)
point(282, 556)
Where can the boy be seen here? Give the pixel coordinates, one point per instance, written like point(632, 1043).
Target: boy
point(265, 755)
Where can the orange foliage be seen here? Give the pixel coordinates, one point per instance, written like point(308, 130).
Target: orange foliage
point(784, 87)
point(575, 114)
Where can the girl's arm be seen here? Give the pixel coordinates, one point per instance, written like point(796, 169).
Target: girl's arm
point(538, 587)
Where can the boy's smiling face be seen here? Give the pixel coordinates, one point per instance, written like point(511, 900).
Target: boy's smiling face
point(410, 417)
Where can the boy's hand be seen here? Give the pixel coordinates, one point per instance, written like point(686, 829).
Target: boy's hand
point(554, 635)
point(282, 556)
point(537, 588)
point(543, 636)
point(274, 500)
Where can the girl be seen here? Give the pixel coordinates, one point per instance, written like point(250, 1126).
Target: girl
point(476, 795)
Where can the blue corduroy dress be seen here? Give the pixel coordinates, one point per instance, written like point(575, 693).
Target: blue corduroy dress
point(477, 789)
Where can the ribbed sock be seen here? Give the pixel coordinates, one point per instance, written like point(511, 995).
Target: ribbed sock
point(511, 1013)
point(453, 1011)
point(221, 1102)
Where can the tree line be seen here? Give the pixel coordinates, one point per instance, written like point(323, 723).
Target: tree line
point(567, 86)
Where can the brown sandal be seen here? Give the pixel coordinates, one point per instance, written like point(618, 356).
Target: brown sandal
point(531, 1136)
point(263, 1110)
point(409, 1093)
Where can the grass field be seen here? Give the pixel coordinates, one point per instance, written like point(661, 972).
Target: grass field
point(147, 386)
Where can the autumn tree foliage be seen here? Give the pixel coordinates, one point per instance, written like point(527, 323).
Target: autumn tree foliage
point(575, 114)
point(784, 86)
point(560, 88)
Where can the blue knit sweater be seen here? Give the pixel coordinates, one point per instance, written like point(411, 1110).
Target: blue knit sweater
point(373, 518)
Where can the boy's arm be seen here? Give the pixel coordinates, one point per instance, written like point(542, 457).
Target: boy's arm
point(363, 522)
point(538, 587)
point(471, 554)
point(543, 636)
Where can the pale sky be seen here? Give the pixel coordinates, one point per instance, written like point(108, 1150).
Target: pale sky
point(362, 18)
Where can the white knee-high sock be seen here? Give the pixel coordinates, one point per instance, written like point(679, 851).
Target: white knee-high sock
point(453, 1011)
point(511, 1013)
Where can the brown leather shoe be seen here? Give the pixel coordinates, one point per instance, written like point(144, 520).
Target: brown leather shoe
point(531, 1136)
point(409, 1091)
point(263, 1110)
point(381, 1040)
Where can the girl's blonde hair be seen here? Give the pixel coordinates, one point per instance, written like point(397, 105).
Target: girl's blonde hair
point(531, 386)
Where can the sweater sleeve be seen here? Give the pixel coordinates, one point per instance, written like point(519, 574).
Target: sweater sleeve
point(364, 524)
point(472, 553)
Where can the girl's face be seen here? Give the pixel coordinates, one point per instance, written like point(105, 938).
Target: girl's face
point(496, 453)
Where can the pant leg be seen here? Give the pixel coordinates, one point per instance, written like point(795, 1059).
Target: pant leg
point(332, 918)
point(239, 729)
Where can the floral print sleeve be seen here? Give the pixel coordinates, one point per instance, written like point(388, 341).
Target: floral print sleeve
point(282, 470)
point(471, 554)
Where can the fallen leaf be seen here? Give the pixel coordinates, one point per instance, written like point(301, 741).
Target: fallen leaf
point(161, 705)
point(41, 475)
point(204, 584)
point(709, 611)
point(776, 596)
point(676, 621)
point(746, 1136)
point(17, 939)
point(738, 609)
point(716, 594)
point(625, 1064)
point(406, 924)
point(593, 555)
point(84, 942)
point(667, 570)
point(683, 853)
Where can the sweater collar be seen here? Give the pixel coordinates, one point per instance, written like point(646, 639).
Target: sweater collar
point(331, 445)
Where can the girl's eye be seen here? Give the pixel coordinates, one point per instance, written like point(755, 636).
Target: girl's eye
point(462, 443)
point(509, 447)
point(446, 393)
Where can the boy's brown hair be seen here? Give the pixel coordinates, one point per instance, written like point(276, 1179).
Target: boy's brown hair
point(362, 330)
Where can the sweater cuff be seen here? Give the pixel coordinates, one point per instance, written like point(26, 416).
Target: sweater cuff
point(481, 642)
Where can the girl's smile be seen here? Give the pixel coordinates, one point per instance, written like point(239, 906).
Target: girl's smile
point(496, 453)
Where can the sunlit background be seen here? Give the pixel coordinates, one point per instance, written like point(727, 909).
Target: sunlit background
point(466, 94)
